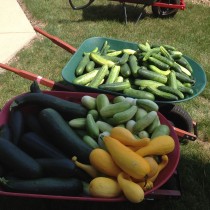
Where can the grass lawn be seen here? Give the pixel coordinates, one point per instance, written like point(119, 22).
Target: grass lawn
point(188, 31)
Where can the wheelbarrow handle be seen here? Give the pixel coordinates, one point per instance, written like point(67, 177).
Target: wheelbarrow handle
point(34, 77)
point(56, 40)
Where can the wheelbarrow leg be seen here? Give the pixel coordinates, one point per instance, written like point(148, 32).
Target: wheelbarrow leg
point(141, 12)
point(125, 12)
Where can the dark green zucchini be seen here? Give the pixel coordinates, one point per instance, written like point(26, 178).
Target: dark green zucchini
point(5, 132)
point(38, 147)
point(66, 108)
point(63, 136)
point(32, 123)
point(34, 87)
point(48, 185)
point(16, 124)
point(17, 161)
point(62, 168)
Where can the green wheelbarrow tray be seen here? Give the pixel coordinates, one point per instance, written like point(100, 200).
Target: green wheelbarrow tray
point(68, 72)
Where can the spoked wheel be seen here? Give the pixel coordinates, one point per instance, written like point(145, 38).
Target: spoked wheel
point(178, 117)
point(164, 12)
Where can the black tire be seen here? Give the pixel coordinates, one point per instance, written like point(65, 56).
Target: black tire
point(177, 116)
point(163, 12)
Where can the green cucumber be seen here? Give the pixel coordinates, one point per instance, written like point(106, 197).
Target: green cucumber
point(113, 74)
point(101, 101)
point(184, 62)
point(172, 80)
point(160, 130)
point(99, 77)
point(123, 59)
point(100, 60)
point(116, 86)
point(147, 105)
point(150, 53)
point(159, 71)
point(165, 52)
point(158, 63)
point(144, 122)
point(91, 126)
point(119, 79)
point(175, 54)
point(78, 123)
point(143, 47)
point(115, 53)
point(153, 125)
point(139, 94)
point(143, 134)
point(184, 78)
point(90, 141)
point(133, 64)
point(169, 47)
point(118, 99)
point(94, 113)
point(169, 89)
point(111, 109)
point(162, 94)
point(163, 59)
point(88, 102)
point(104, 126)
point(125, 70)
point(124, 116)
point(82, 64)
point(85, 78)
point(148, 74)
point(140, 113)
point(145, 82)
point(90, 66)
point(186, 90)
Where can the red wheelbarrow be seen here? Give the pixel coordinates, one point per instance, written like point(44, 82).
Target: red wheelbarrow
point(184, 132)
point(160, 8)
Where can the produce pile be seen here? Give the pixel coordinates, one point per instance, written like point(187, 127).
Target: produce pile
point(155, 72)
point(102, 146)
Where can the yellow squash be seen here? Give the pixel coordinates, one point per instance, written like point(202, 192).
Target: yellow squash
point(104, 187)
point(126, 137)
point(131, 190)
point(103, 162)
point(128, 160)
point(160, 145)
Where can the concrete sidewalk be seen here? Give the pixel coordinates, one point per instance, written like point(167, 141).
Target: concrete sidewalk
point(15, 29)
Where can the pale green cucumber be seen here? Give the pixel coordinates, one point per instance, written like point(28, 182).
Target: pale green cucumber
point(100, 60)
point(144, 122)
point(94, 113)
point(90, 141)
point(118, 99)
point(78, 123)
point(153, 125)
point(115, 86)
point(97, 80)
point(89, 102)
point(146, 104)
point(91, 126)
point(124, 116)
point(101, 101)
point(85, 78)
point(104, 126)
point(111, 109)
point(139, 94)
point(114, 73)
point(161, 130)
point(143, 134)
point(140, 113)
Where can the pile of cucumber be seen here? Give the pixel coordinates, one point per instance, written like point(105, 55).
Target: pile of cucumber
point(154, 72)
point(139, 116)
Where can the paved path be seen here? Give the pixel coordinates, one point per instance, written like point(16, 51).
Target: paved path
point(15, 29)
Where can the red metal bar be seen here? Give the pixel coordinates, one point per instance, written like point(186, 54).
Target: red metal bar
point(184, 134)
point(56, 40)
point(174, 6)
point(34, 77)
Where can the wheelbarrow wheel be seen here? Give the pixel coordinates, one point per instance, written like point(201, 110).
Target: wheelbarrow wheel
point(164, 12)
point(177, 116)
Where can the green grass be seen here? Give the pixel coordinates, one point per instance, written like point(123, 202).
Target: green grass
point(188, 30)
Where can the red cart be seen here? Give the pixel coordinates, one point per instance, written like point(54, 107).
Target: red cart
point(160, 8)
